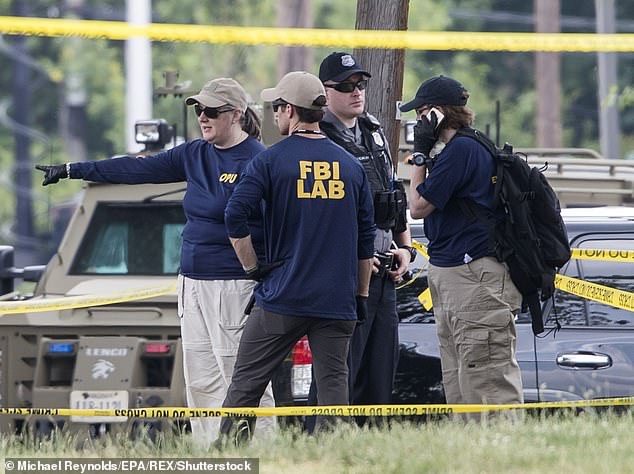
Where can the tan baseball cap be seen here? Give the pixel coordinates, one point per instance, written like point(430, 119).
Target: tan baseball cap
point(219, 92)
point(299, 88)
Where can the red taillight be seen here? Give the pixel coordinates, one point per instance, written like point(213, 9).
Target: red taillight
point(301, 352)
point(156, 348)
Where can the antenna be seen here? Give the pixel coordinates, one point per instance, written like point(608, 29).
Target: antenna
point(497, 123)
point(175, 90)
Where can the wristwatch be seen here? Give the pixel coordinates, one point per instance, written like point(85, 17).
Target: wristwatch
point(418, 159)
point(412, 252)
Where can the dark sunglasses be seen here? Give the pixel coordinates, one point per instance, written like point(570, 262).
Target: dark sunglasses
point(210, 112)
point(348, 87)
point(276, 104)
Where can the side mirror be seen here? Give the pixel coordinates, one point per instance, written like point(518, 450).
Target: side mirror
point(33, 273)
point(8, 273)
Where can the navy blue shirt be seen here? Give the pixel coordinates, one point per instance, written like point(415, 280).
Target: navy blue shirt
point(211, 174)
point(318, 220)
point(463, 170)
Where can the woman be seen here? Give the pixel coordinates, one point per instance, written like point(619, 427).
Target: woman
point(213, 288)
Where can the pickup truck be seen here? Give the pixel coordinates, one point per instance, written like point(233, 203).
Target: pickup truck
point(587, 350)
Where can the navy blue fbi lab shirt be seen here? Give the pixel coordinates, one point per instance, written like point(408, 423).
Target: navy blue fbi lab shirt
point(462, 170)
point(211, 175)
point(318, 220)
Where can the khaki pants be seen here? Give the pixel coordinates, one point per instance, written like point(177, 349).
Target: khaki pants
point(212, 321)
point(474, 307)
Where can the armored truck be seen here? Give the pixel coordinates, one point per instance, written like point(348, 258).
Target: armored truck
point(579, 176)
point(111, 350)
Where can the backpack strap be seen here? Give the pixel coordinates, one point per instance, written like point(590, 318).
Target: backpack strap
point(485, 141)
point(469, 208)
point(479, 137)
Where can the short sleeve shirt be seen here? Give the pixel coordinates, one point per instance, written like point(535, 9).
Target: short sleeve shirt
point(463, 170)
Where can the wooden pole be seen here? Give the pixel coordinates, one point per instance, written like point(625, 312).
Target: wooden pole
point(386, 65)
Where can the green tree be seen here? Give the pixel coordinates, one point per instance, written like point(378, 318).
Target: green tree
point(490, 77)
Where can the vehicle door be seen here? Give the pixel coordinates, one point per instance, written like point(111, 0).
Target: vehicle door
point(592, 354)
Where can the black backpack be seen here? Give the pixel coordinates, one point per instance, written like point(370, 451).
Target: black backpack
point(531, 237)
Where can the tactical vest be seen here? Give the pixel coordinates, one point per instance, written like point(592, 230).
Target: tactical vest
point(374, 156)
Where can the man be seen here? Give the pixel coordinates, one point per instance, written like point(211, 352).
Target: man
point(318, 232)
point(374, 345)
point(474, 297)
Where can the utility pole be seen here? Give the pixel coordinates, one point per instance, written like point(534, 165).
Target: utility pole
point(385, 87)
point(294, 14)
point(609, 127)
point(547, 78)
point(73, 117)
point(138, 67)
point(23, 169)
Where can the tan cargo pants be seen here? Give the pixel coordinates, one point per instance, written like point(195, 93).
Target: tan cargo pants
point(212, 320)
point(474, 307)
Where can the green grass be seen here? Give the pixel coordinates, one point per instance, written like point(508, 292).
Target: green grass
point(558, 444)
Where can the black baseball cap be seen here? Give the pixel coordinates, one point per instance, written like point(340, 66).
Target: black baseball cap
point(339, 67)
point(438, 90)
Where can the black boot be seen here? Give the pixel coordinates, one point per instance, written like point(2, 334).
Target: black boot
point(234, 431)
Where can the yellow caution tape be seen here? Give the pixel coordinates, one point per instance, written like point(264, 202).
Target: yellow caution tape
point(595, 292)
point(585, 289)
point(412, 279)
point(612, 255)
point(603, 294)
point(617, 255)
point(425, 297)
point(72, 302)
point(422, 40)
point(335, 410)
point(420, 248)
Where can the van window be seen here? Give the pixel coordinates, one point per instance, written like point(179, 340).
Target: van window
point(132, 239)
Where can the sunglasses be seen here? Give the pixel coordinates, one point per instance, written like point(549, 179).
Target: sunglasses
point(348, 87)
point(422, 110)
point(276, 104)
point(210, 112)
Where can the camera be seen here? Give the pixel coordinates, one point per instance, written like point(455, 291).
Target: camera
point(387, 262)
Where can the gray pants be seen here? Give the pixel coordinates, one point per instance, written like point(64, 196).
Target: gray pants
point(266, 341)
point(473, 307)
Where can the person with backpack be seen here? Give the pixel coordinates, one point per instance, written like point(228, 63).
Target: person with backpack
point(474, 298)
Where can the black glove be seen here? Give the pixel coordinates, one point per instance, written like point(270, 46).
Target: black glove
point(52, 174)
point(261, 270)
point(425, 135)
point(362, 308)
